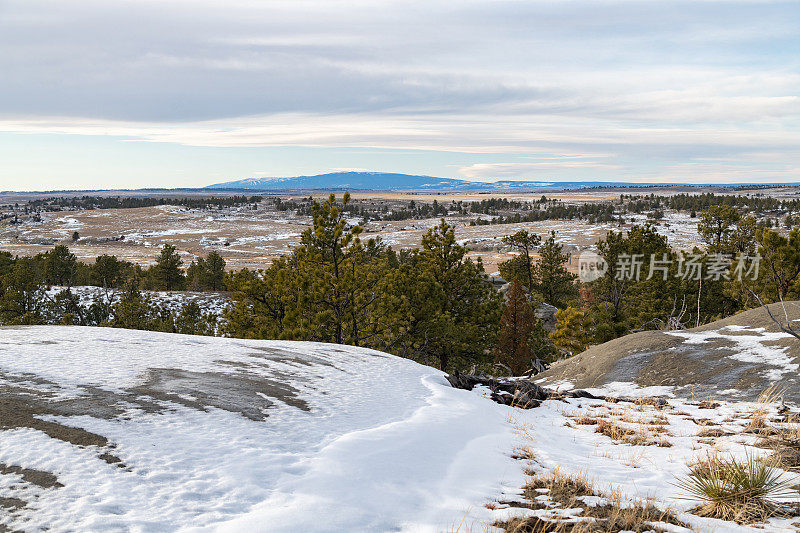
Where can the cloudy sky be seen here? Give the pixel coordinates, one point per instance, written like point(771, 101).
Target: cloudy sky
point(182, 93)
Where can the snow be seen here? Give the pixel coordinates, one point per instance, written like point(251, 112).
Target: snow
point(386, 443)
point(639, 473)
point(357, 440)
point(678, 226)
point(211, 302)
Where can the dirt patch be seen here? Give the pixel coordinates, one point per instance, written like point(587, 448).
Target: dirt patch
point(22, 412)
point(40, 478)
point(12, 503)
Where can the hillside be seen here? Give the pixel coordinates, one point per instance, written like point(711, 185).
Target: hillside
point(735, 358)
point(108, 429)
point(392, 181)
point(117, 430)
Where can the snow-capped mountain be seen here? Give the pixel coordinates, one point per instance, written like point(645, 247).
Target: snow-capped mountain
point(392, 181)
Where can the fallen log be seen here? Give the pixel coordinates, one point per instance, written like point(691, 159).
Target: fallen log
point(519, 392)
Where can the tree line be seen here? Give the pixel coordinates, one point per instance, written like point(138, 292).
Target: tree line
point(128, 202)
point(432, 304)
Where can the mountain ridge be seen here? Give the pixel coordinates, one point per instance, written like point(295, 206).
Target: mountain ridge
point(390, 181)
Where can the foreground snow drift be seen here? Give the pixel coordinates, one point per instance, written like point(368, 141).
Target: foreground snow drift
point(180, 432)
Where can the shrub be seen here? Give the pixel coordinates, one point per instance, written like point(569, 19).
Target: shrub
point(742, 490)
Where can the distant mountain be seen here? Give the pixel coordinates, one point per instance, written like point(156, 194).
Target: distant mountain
point(390, 181)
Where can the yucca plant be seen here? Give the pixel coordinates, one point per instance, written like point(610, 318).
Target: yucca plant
point(742, 490)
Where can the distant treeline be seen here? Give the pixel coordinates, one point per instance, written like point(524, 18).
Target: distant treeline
point(60, 267)
point(592, 213)
point(701, 202)
point(120, 202)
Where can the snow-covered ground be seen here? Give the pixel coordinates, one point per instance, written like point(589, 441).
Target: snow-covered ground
point(563, 438)
point(677, 226)
point(217, 434)
point(209, 301)
point(237, 435)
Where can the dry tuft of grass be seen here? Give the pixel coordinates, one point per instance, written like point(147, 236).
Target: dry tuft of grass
point(713, 433)
point(612, 430)
point(760, 414)
point(565, 492)
point(559, 487)
point(523, 453)
point(626, 435)
point(744, 491)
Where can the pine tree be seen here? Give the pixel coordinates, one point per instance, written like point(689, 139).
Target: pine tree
point(207, 274)
point(552, 280)
point(110, 272)
point(455, 309)
point(166, 274)
point(715, 226)
point(22, 293)
point(521, 267)
point(513, 348)
point(60, 266)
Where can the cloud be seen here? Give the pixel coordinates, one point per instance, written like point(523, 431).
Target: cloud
point(490, 171)
point(650, 85)
point(467, 133)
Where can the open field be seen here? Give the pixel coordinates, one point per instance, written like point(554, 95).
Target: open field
point(251, 236)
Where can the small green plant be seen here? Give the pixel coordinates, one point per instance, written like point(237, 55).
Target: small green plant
point(743, 490)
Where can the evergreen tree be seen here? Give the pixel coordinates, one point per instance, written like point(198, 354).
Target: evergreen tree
point(552, 280)
point(22, 293)
point(779, 270)
point(135, 310)
point(262, 300)
point(716, 225)
point(521, 266)
point(455, 309)
point(207, 274)
point(326, 257)
point(191, 320)
point(166, 274)
point(629, 296)
point(60, 266)
point(110, 272)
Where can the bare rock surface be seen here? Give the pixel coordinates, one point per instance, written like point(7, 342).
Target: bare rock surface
point(737, 357)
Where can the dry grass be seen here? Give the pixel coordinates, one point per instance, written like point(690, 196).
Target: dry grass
point(643, 436)
point(760, 414)
point(785, 441)
point(523, 453)
point(713, 433)
point(613, 430)
point(565, 492)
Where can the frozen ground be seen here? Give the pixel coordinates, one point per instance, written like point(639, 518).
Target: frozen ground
point(210, 302)
point(180, 432)
point(117, 430)
point(563, 439)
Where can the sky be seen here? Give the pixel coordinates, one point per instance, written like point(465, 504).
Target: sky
point(185, 93)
